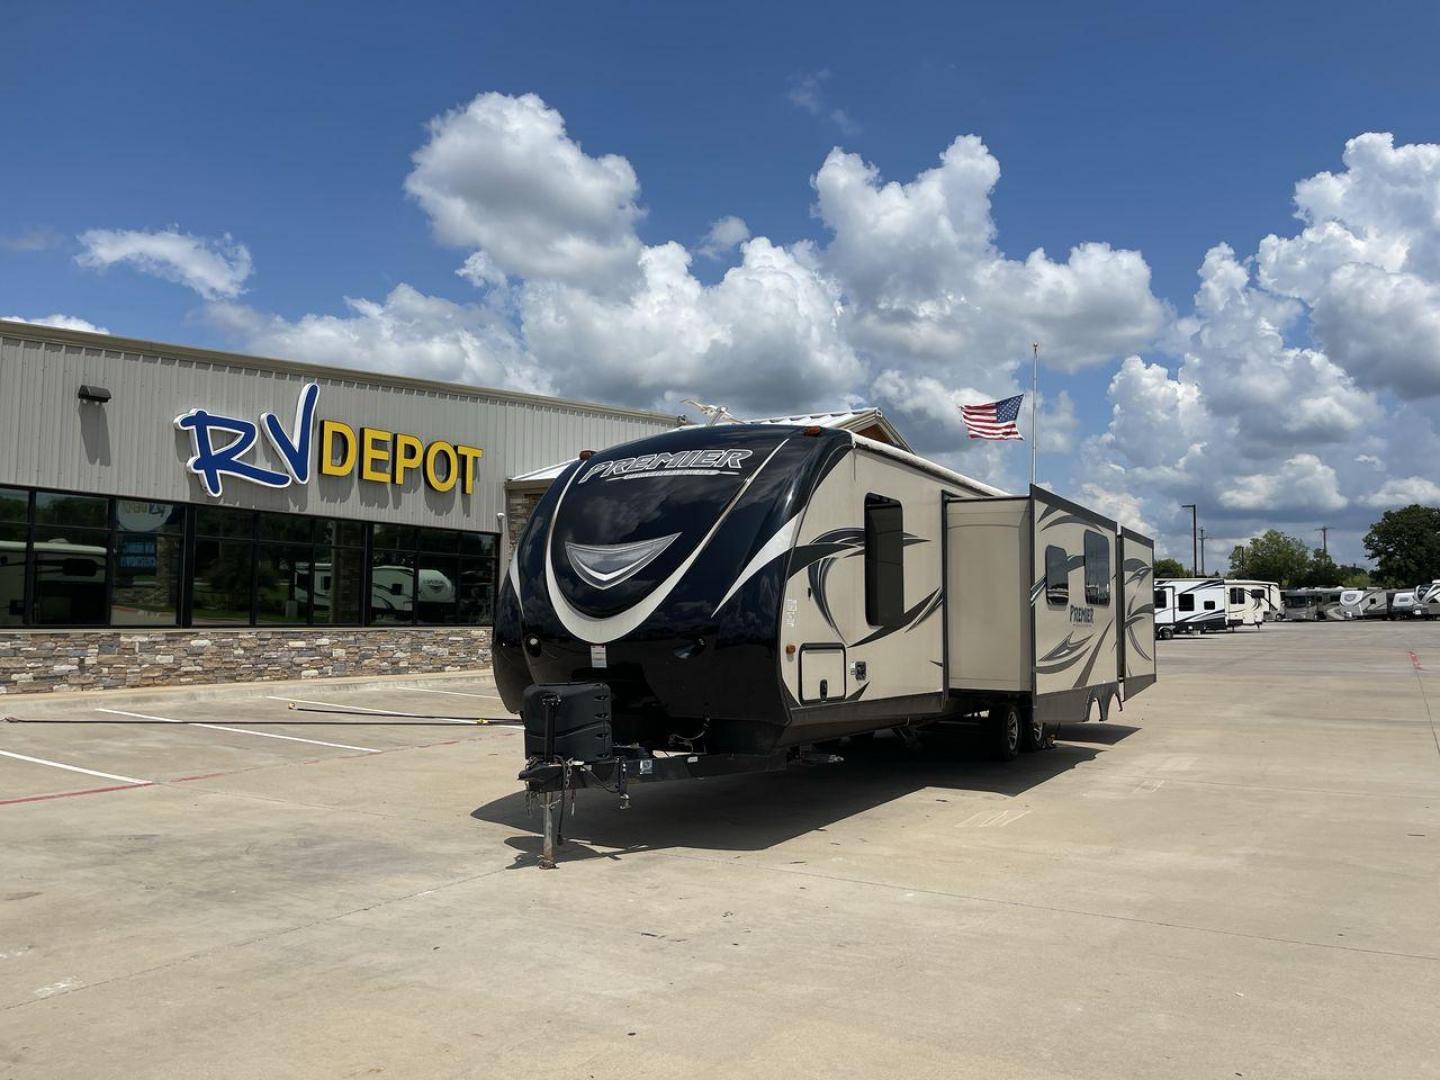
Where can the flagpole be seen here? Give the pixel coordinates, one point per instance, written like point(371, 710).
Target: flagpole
point(1034, 402)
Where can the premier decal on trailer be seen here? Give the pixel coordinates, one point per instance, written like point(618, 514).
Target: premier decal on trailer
point(687, 463)
point(382, 456)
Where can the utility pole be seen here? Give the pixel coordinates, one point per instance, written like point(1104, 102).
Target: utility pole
point(1324, 532)
point(1194, 539)
point(1034, 406)
point(1202, 552)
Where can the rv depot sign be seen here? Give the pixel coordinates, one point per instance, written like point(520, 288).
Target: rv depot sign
point(222, 444)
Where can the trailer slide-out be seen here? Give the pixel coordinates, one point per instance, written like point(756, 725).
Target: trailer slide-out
point(725, 598)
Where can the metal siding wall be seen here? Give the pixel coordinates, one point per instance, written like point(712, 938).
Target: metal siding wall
point(130, 446)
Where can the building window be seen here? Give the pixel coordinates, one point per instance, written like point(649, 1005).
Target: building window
point(84, 560)
point(884, 561)
point(14, 554)
point(1097, 569)
point(146, 564)
point(1057, 576)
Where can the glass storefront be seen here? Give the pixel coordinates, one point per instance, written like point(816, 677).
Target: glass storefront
point(84, 560)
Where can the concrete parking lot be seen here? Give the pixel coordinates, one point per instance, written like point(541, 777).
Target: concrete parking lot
point(1237, 877)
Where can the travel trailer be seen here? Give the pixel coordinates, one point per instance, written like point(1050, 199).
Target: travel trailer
point(740, 593)
point(1190, 605)
point(1245, 604)
point(1402, 603)
point(1365, 603)
point(1427, 601)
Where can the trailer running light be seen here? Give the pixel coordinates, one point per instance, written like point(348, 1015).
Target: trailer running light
point(586, 455)
point(812, 430)
point(790, 650)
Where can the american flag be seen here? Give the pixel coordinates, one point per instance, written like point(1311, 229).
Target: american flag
point(993, 420)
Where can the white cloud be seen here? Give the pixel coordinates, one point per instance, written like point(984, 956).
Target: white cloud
point(62, 322)
point(806, 92)
point(928, 287)
point(1367, 263)
point(1302, 482)
point(214, 268)
point(724, 235)
point(1403, 491)
point(1122, 506)
point(501, 175)
point(407, 333)
point(767, 338)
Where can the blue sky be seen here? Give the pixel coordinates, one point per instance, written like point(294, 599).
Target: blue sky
point(1154, 129)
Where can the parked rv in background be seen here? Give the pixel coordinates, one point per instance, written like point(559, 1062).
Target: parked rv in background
point(1185, 605)
point(1245, 603)
point(1365, 603)
point(1427, 601)
point(1315, 605)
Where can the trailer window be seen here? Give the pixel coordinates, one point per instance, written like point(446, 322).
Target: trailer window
point(884, 561)
point(1187, 601)
point(1097, 569)
point(1057, 576)
point(1209, 605)
point(1237, 596)
point(1161, 601)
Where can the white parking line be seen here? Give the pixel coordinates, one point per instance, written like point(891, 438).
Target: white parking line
point(241, 731)
point(427, 690)
point(75, 768)
point(361, 708)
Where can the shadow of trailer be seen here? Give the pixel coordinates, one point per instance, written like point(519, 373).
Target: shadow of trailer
point(732, 599)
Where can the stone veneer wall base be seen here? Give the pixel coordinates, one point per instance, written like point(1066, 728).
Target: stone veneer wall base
point(37, 661)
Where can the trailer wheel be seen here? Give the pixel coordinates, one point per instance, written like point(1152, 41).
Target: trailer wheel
point(1006, 732)
point(1032, 730)
point(1165, 633)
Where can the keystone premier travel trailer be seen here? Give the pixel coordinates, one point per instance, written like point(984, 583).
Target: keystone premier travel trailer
point(739, 593)
point(1185, 605)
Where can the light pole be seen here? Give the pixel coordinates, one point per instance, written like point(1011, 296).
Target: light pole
point(1194, 539)
point(1202, 552)
point(1324, 532)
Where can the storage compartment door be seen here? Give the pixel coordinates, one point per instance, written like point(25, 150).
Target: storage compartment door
point(822, 673)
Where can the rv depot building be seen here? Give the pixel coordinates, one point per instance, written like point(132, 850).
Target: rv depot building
point(176, 515)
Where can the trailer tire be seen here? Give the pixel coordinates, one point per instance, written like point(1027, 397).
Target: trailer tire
point(1006, 730)
point(1032, 730)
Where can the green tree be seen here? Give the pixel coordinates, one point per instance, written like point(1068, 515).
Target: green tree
point(1355, 577)
point(1322, 573)
point(1272, 556)
point(1169, 568)
point(1405, 545)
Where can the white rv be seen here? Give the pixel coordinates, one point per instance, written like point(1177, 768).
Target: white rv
point(1427, 601)
point(1245, 603)
point(1188, 605)
point(1365, 603)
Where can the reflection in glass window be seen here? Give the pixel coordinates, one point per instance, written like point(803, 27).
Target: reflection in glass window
point(436, 588)
point(14, 567)
point(220, 592)
point(1097, 569)
point(70, 578)
point(146, 569)
point(280, 594)
point(1057, 576)
point(14, 504)
point(393, 536)
point(291, 527)
point(476, 591)
point(75, 511)
point(139, 516)
point(335, 581)
point(215, 521)
point(392, 588)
